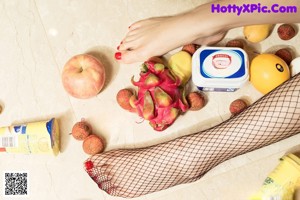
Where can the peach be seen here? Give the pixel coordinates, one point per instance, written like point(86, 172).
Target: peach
point(83, 76)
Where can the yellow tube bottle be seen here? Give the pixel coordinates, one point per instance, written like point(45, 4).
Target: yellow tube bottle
point(31, 138)
point(282, 182)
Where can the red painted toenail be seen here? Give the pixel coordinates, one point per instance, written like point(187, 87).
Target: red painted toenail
point(89, 165)
point(118, 55)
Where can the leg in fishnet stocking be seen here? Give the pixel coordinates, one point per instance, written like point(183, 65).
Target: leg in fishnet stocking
point(135, 172)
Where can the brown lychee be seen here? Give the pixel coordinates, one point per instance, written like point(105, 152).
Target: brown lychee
point(237, 106)
point(81, 130)
point(93, 144)
point(285, 54)
point(157, 59)
point(196, 100)
point(286, 31)
point(235, 43)
point(123, 97)
point(190, 48)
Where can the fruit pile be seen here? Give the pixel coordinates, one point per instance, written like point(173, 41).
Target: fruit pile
point(258, 33)
point(269, 70)
point(161, 96)
point(92, 144)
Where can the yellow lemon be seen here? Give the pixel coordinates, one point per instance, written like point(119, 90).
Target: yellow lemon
point(257, 33)
point(181, 65)
point(267, 71)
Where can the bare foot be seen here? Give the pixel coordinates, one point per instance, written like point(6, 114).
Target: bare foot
point(135, 172)
point(157, 36)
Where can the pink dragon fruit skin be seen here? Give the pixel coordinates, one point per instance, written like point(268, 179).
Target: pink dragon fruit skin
point(160, 99)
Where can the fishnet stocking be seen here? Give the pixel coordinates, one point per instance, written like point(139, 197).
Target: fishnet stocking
point(135, 172)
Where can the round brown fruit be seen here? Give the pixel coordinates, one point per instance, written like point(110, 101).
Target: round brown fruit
point(83, 76)
point(286, 31)
point(237, 106)
point(93, 145)
point(81, 130)
point(123, 99)
point(195, 100)
point(157, 59)
point(285, 54)
point(190, 48)
point(235, 43)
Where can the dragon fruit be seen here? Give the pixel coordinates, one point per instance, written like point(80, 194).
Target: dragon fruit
point(160, 98)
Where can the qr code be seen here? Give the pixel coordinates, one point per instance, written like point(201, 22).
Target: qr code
point(15, 184)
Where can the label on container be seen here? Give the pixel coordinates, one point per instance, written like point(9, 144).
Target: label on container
point(211, 89)
point(8, 141)
point(221, 64)
point(220, 68)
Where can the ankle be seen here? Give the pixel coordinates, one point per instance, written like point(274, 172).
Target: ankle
point(205, 23)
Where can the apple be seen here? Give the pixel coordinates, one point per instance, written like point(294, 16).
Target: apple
point(83, 76)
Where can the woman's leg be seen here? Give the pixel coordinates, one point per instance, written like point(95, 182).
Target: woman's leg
point(135, 172)
point(159, 35)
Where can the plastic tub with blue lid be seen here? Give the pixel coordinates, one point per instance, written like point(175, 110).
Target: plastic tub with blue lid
point(220, 68)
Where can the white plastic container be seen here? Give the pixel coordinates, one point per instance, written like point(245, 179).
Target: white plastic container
point(220, 68)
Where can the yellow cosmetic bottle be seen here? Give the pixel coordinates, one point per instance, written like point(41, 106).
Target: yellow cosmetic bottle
point(282, 182)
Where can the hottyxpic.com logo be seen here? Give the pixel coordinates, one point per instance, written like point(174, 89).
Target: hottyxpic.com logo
point(252, 8)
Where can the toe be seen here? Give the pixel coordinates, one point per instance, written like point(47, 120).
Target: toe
point(135, 25)
point(127, 46)
point(128, 57)
point(145, 22)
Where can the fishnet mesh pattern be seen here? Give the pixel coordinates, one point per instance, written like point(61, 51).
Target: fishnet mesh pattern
point(135, 172)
